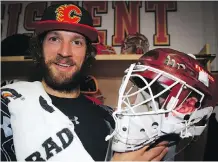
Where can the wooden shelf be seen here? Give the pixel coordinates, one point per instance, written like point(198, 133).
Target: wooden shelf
point(98, 57)
point(205, 58)
point(106, 66)
point(15, 58)
point(117, 57)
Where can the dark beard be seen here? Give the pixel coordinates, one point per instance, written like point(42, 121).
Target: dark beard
point(66, 86)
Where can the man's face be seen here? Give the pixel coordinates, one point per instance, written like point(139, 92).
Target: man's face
point(64, 54)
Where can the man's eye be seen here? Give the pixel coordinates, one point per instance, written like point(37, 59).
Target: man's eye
point(53, 39)
point(77, 42)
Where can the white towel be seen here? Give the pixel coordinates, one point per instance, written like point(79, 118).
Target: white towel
point(40, 130)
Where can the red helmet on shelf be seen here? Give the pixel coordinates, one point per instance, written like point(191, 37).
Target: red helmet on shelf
point(102, 48)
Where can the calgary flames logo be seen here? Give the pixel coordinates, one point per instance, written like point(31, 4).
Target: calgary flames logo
point(68, 13)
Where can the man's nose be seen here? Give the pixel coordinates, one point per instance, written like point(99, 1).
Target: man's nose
point(65, 49)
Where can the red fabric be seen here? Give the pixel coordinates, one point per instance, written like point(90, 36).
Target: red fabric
point(95, 100)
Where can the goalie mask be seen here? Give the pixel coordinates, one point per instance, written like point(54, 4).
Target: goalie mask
point(167, 92)
point(135, 44)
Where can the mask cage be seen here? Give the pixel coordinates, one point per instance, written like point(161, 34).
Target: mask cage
point(146, 90)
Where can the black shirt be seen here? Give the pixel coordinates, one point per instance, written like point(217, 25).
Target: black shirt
point(89, 120)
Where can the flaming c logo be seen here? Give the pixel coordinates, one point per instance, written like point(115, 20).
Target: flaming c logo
point(68, 13)
point(8, 92)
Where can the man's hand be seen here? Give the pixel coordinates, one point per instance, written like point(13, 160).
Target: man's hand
point(155, 154)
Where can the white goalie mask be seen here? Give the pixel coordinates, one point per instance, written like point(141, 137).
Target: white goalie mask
point(155, 99)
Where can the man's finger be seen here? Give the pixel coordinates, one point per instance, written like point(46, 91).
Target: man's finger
point(161, 156)
point(163, 143)
point(143, 149)
point(154, 152)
